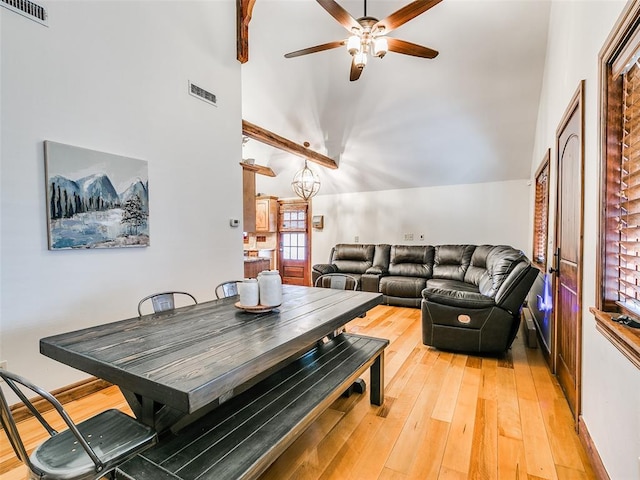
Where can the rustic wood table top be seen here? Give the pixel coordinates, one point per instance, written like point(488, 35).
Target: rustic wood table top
point(191, 357)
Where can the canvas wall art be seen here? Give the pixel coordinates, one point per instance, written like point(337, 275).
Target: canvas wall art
point(95, 199)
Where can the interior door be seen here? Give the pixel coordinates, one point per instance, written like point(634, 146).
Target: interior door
point(568, 253)
point(295, 242)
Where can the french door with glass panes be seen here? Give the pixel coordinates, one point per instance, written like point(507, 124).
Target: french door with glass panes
point(295, 244)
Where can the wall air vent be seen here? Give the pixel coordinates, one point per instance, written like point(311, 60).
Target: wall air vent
point(202, 94)
point(28, 9)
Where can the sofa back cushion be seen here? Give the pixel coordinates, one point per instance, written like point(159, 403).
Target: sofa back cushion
point(380, 260)
point(411, 260)
point(501, 261)
point(477, 272)
point(353, 258)
point(452, 261)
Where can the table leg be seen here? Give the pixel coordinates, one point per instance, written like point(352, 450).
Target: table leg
point(376, 393)
point(148, 411)
point(160, 417)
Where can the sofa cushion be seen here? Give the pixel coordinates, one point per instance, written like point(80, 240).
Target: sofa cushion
point(397, 286)
point(452, 261)
point(380, 260)
point(477, 270)
point(456, 294)
point(411, 260)
point(353, 258)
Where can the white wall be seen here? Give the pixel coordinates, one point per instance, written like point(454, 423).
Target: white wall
point(483, 213)
point(113, 76)
point(610, 384)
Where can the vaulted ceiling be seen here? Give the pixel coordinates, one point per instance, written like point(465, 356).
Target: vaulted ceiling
point(467, 116)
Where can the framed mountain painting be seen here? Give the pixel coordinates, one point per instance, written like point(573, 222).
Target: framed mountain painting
point(95, 199)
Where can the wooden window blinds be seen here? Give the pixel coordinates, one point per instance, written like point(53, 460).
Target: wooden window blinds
point(628, 190)
point(541, 214)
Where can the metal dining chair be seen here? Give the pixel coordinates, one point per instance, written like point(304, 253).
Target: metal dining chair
point(227, 289)
point(339, 281)
point(90, 450)
point(164, 301)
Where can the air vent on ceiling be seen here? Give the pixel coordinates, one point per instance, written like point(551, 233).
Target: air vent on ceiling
point(28, 9)
point(202, 94)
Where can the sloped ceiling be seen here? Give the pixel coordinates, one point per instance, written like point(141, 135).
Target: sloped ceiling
point(467, 116)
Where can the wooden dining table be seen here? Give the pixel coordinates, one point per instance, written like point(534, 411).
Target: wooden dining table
point(174, 366)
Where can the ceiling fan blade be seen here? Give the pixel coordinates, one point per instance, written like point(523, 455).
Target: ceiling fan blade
point(317, 48)
point(406, 13)
point(340, 14)
point(408, 48)
point(355, 72)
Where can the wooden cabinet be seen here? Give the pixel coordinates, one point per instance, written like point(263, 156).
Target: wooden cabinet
point(266, 214)
point(253, 267)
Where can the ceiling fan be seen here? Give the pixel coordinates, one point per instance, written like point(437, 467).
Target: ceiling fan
point(369, 35)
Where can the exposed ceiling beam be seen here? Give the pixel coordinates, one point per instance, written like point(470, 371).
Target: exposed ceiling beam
point(275, 140)
point(260, 169)
point(244, 9)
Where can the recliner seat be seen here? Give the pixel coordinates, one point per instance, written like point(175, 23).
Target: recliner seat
point(410, 266)
point(481, 313)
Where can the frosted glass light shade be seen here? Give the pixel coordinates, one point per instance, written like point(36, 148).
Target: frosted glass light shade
point(353, 44)
point(380, 47)
point(360, 59)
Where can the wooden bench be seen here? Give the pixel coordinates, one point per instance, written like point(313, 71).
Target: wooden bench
point(242, 437)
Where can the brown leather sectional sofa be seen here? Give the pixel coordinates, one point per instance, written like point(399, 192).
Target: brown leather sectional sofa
point(470, 295)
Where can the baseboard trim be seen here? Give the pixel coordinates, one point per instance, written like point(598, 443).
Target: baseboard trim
point(592, 451)
point(64, 395)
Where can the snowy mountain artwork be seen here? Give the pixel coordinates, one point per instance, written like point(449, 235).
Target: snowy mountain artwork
point(95, 199)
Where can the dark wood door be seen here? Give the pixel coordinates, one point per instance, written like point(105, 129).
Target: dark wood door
point(568, 253)
point(294, 261)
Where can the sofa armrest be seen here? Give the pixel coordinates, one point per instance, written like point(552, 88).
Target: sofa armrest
point(321, 269)
point(514, 289)
point(457, 298)
point(377, 270)
point(324, 268)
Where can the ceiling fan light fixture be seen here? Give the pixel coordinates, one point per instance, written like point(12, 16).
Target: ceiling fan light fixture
point(353, 44)
point(360, 59)
point(380, 46)
point(368, 35)
point(305, 183)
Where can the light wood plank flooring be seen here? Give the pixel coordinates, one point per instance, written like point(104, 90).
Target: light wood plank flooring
point(445, 416)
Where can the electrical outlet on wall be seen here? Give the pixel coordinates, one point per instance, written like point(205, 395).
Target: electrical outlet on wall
point(408, 237)
point(356, 239)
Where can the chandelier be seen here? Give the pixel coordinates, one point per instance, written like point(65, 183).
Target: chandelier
point(305, 183)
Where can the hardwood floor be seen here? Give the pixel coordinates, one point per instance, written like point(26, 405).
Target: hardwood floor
point(445, 416)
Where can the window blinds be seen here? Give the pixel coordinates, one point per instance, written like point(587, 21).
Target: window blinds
point(541, 212)
point(629, 193)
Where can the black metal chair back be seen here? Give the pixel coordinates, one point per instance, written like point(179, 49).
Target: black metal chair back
point(89, 450)
point(227, 289)
point(163, 301)
point(339, 281)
